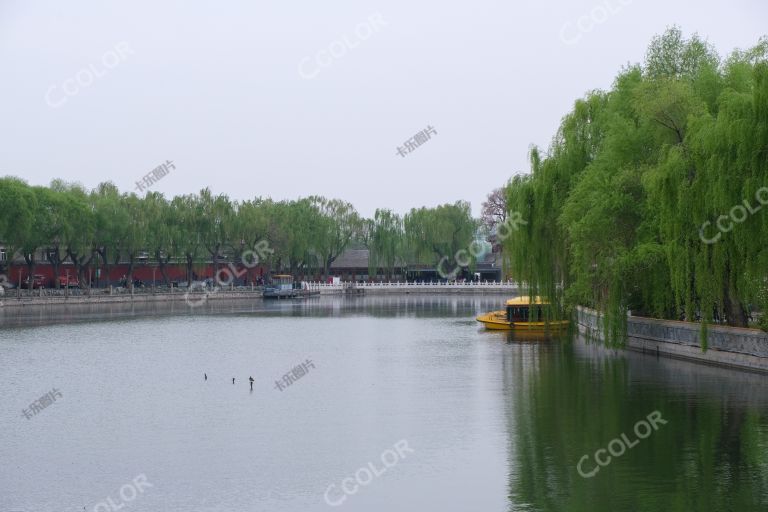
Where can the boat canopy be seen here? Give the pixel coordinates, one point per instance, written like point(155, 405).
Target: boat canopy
point(525, 300)
point(283, 281)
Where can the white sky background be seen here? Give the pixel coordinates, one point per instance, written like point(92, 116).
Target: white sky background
point(215, 87)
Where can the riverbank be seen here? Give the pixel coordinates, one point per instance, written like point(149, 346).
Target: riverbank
point(116, 296)
point(193, 299)
point(732, 347)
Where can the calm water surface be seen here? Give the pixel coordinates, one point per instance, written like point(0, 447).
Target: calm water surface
point(494, 423)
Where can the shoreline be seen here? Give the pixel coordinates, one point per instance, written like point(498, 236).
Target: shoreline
point(11, 301)
point(736, 348)
point(123, 298)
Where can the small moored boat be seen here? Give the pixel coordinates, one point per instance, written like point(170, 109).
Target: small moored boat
point(280, 287)
point(517, 316)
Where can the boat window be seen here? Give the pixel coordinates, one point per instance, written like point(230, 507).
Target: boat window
point(517, 313)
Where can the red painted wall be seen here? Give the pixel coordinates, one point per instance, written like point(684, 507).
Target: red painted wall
point(141, 272)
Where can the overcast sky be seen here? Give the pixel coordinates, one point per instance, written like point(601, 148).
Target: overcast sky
point(289, 99)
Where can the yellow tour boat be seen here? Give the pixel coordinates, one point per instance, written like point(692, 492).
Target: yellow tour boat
point(516, 317)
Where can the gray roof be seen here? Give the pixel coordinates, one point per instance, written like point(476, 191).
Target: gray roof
point(352, 258)
point(358, 259)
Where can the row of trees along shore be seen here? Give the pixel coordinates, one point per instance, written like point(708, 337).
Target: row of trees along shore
point(304, 236)
point(616, 205)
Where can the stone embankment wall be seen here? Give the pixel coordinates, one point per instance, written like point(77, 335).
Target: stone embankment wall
point(11, 301)
point(734, 347)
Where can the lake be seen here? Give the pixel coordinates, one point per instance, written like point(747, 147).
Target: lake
point(374, 403)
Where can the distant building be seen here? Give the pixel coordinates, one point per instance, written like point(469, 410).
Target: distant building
point(352, 265)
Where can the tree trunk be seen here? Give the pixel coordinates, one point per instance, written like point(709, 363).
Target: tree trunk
point(81, 264)
point(327, 265)
point(82, 272)
point(105, 260)
point(55, 259)
point(129, 273)
point(30, 259)
point(81, 277)
point(735, 313)
point(164, 272)
point(116, 261)
point(215, 259)
point(190, 261)
point(163, 268)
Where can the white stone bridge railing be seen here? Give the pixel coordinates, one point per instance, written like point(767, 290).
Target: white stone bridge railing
point(412, 286)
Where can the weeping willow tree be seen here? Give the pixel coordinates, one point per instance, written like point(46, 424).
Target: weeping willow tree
point(386, 242)
point(710, 170)
point(616, 209)
point(538, 253)
point(435, 235)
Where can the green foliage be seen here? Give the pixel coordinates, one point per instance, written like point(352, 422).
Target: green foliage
point(336, 224)
point(71, 223)
point(18, 211)
point(437, 234)
point(616, 207)
point(387, 239)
